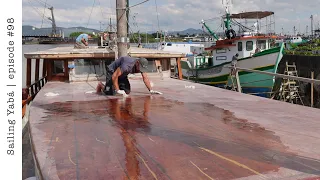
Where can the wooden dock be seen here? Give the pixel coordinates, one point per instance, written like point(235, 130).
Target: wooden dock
point(192, 131)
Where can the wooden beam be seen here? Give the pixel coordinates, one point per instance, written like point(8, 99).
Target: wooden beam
point(28, 80)
point(49, 70)
point(69, 56)
point(36, 77)
point(179, 68)
point(98, 56)
point(44, 68)
point(66, 70)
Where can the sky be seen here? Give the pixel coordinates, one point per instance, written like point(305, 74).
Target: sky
point(168, 15)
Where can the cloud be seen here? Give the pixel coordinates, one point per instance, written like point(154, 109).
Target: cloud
point(172, 14)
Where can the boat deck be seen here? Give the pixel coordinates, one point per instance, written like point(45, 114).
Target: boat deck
point(192, 131)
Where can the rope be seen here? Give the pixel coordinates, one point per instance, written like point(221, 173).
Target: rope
point(44, 10)
point(37, 10)
point(138, 4)
point(44, 3)
point(101, 9)
point(127, 8)
point(94, 1)
point(211, 19)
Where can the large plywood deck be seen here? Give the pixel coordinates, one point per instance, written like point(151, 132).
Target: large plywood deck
point(192, 131)
point(96, 52)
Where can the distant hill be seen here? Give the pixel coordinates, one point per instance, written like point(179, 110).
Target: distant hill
point(188, 31)
point(30, 30)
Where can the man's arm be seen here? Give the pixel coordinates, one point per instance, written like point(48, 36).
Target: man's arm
point(115, 77)
point(146, 80)
point(84, 41)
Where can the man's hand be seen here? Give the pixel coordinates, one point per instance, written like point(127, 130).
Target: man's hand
point(155, 92)
point(122, 92)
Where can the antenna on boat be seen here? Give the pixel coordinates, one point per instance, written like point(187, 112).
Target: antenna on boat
point(227, 4)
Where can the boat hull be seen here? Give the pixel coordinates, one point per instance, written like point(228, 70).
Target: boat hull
point(259, 84)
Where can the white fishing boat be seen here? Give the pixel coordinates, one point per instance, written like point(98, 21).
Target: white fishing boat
point(256, 50)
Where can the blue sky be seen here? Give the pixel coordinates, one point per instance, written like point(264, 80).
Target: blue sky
point(172, 14)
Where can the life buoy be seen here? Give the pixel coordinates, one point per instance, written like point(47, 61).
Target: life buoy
point(231, 34)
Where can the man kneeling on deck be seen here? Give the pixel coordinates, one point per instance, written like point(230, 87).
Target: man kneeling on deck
point(117, 76)
point(82, 41)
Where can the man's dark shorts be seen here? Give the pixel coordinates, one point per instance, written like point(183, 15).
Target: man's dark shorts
point(123, 84)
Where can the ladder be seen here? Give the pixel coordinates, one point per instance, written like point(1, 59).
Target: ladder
point(289, 90)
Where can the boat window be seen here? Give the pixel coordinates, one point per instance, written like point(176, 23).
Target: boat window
point(249, 45)
point(239, 46)
point(169, 44)
point(221, 58)
point(261, 44)
point(218, 51)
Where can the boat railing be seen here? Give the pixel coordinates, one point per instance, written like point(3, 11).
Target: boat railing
point(290, 80)
point(32, 88)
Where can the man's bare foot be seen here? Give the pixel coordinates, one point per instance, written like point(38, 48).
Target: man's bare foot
point(99, 87)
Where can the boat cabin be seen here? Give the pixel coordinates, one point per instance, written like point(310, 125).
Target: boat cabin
point(186, 48)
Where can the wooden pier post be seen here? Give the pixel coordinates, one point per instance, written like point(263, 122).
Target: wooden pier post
point(66, 70)
point(179, 68)
point(49, 69)
point(312, 77)
point(44, 68)
point(36, 77)
point(122, 27)
point(28, 80)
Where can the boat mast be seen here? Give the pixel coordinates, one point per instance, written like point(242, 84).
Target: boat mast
point(230, 33)
point(227, 21)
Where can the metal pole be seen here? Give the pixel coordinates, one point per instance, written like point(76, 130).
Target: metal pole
point(110, 26)
point(311, 17)
point(312, 76)
point(122, 28)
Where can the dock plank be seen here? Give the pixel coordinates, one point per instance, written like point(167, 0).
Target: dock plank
point(187, 133)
